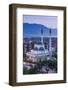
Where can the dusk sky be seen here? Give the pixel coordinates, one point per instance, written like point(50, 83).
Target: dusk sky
point(48, 21)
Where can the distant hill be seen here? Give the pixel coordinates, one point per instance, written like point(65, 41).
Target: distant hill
point(34, 30)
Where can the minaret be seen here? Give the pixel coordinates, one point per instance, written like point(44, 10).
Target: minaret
point(42, 36)
point(50, 42)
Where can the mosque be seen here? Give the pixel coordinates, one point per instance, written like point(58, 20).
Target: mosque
point(39, 51)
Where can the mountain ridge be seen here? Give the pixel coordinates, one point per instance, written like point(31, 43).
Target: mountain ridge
point(34, 30)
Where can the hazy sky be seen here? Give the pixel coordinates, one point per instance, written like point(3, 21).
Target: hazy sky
point(49, 21)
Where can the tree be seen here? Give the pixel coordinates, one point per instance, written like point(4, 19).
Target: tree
point(52, 64)
point(25, 70)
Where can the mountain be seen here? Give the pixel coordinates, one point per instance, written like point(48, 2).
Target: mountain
point(34, 30)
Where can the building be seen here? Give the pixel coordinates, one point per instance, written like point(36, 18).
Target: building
point(40, 50)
